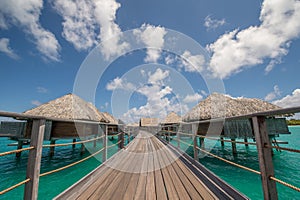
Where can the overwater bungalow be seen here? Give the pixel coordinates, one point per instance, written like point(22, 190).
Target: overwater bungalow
point(171, 122)
point(218, 106)
point(113, 123)
point(63, 110)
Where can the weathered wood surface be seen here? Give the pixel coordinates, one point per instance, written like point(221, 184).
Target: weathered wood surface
point(146, 169)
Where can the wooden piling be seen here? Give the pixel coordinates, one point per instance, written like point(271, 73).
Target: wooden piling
point(20, 146)
point(233, 145)
point(265, 157)
point(195, 149)
point(246, 140)
point(82, 149)
point(222, 141)
point(95, 141)
point(52, 142)
point(74, 145)
point(178, 139)
point(201, 142)
point(34, 159)
point(104, 155)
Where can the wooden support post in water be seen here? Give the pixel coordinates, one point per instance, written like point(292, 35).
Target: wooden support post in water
point(74, 145)
point(265, 157)
point(246, 140)
point(222, 141)
point(178, 139)
point(169, 134)
point(201, 142)
point(195, 149)
point(95, 141)
point(233, 145)
point(20, 146)
point(34, 159)
point(104, 155)
point(82, 149)
point(52, 142)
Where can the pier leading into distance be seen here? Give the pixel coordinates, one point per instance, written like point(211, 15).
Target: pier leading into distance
point(150, 169)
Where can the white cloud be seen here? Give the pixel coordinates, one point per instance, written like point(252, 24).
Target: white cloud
point(84, 18)
point(158, 76)
point(159, 101)
point(79, 24)
point(274, 94)
point(119, 83)
point(192, 98)
point(25, 14)
point(41, 90)
point(36, 103)
point(211, 23)
point(292, 100)
point(5, 48)
point(192, 63)
point(169, 60)
point(153, 38)
point(110, 32)
point(236, 50)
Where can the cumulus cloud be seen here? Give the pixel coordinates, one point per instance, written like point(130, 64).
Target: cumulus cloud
point(25, 14)
point(41, 89)
point(153, 38)
point(36, 103)
point(211, 23)
point(119, 83)
point(78, 22)
point(158, 76)
point(274, 94)
point(238, 49)
point(193, 98)
point(86, 22)
point(159, 101)
point(291, 100)
point(192, 63)
point(6, 49)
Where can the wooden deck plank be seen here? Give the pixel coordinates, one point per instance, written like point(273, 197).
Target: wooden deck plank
point(150, 184)
point(146, 169)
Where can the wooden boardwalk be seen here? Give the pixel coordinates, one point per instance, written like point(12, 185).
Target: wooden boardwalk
point(150, 169)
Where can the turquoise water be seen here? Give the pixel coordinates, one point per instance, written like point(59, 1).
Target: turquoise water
point(286, 165)
point(13, 170)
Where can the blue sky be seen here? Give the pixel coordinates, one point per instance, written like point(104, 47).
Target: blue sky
point(253, 47)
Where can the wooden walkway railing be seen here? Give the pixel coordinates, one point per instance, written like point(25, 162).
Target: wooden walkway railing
point(149, 169)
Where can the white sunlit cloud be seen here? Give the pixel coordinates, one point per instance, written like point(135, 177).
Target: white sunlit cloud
point(88, 22)
point(192, 63)
point(193, 98)
point(36, 103)
point(159, 96)
point(239, 49)
point(211, 23)
point(291, 100)
point(25, 14)
point(41, 89)
point(119, 83)
point(6, 49)
point(274, 94)
point(153, 38)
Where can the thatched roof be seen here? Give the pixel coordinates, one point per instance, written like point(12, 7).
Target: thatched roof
point(69, 106)
point(172, 118)
point(220, 105)
point(110, 118)
point(135, 124)
point(149, 122)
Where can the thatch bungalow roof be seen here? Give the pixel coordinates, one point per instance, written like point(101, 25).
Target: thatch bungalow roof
point(110, 118)
point(135, 124)
point(149, 122)
point(172, 118)
point(69, 106)
point(220, 105)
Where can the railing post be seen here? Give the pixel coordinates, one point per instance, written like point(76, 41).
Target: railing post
point(34, 159)
point(178, 139)
point(265, 157)
point(195, 131)
point(104, 155)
